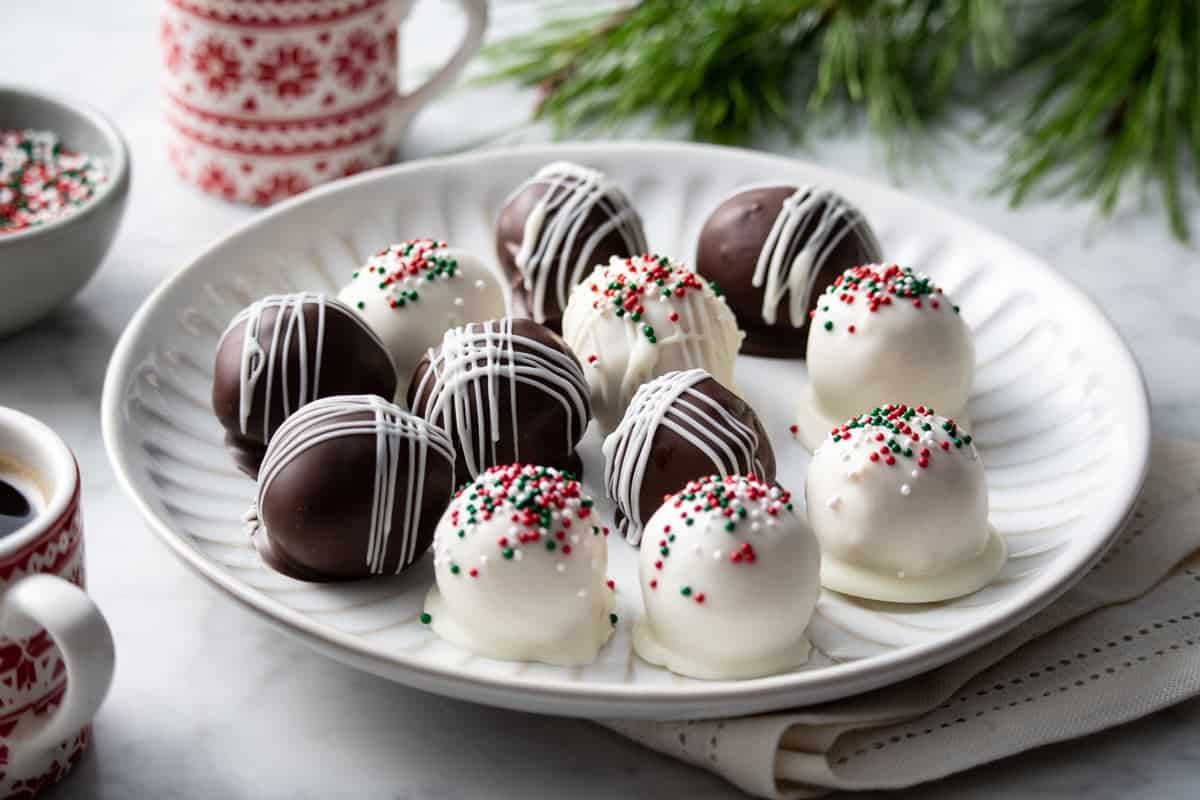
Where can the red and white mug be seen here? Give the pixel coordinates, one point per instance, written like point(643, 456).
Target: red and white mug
point(266, 98)
point(56, 650)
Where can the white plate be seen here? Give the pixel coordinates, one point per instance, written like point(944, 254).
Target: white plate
point(1059, 407)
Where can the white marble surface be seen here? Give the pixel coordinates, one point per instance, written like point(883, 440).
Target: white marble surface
point(211, 702)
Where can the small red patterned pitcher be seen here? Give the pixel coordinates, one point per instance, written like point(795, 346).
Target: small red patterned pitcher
point(266, 98)
point(56, 651)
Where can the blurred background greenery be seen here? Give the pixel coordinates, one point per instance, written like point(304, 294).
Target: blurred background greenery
point(1087, 98)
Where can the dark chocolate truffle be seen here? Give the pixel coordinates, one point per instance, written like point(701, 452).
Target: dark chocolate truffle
point(285, 351)
point(681, 426)
point(350, 487)
point(553, 231)
point(507, 391)
point(774, 250)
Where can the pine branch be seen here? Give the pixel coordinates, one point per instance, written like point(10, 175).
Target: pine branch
point(1104, 92)
point(1115, 101)
point(732, 71)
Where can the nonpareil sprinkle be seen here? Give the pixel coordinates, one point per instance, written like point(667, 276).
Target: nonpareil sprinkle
point(40, 180)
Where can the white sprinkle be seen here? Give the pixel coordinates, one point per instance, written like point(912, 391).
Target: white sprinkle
point(483, 559)
point(916, 473)
point(770, 523)
point(905, 489)
point(853, 475)
point(581, 593)
point(517, 555)
point(834, 501)
point(574, 538)
point(458, 301)
point(514, 530)
point(560, 567)
point(754, 526)
point(716, 555)
point(480, 284)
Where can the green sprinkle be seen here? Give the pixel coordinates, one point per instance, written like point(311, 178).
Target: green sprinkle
point(426, 619)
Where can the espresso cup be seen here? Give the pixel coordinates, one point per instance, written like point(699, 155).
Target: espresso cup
point(56, 650)
point(264, 99)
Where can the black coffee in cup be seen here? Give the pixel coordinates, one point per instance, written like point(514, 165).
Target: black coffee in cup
point(20, 500)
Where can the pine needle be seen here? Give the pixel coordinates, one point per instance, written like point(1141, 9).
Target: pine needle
point(1116, 101)
point(1100, 93)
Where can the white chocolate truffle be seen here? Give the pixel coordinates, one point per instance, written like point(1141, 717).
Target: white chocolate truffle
point(413, 292)
point(897, 498)
point(880, 335)
point(730, 577)
point(637, 318)
point(520, 564)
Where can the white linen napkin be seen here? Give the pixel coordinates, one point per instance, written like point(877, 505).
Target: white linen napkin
point(1119, 645)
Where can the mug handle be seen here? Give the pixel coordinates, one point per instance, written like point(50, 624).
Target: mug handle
point(83, 637)
point(477, 22)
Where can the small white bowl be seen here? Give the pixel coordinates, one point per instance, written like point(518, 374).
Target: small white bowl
point(43, 267)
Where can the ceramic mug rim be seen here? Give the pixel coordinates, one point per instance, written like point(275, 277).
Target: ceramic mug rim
point(33, 435)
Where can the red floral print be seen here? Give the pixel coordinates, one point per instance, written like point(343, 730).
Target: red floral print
point(355, 56)
point(172, 49)
point(391, 43)
point(214, 180)
point(217, 65)
point(354, 166)
point(279, 186)
point(289, 71)
point(20, 659)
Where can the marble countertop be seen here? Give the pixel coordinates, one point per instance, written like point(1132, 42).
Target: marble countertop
point(209, 701)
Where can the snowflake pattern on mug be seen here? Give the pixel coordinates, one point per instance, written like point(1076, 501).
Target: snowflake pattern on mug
point(266, 99)
point(290, 71)
point(217, 65)
point(32, 669)
point(354, 58)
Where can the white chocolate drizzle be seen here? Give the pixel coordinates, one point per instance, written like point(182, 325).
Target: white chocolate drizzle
point(673, 402)
point(460, 391)
point(270, 360)
point(396, 432)
point(790, 265)
point(556, 222)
